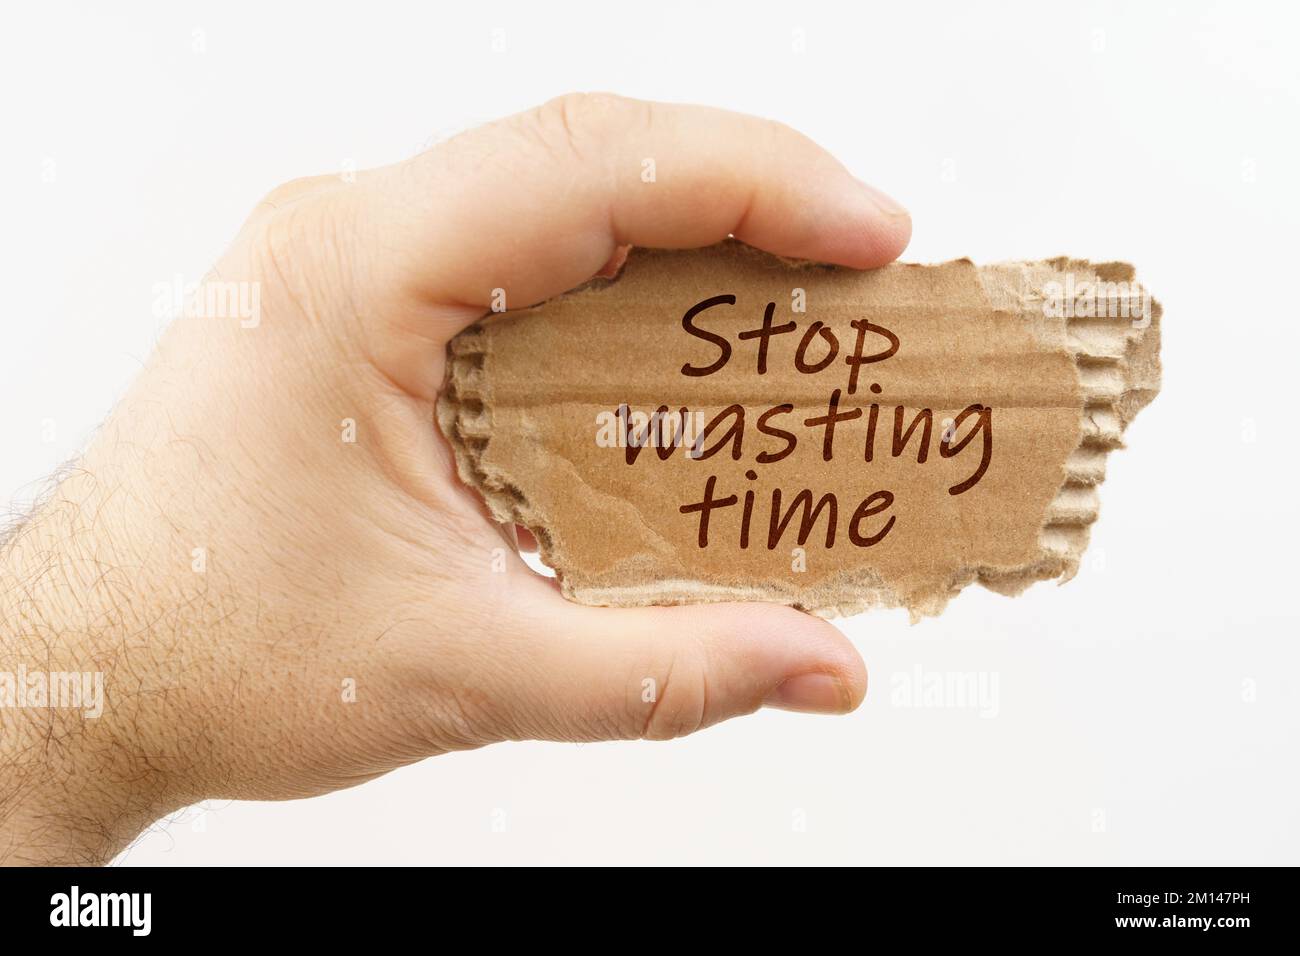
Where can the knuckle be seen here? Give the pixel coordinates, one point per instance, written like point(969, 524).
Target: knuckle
point(461, 721)
point(681, 700)
point(279, 242)
point(450, 707)
point(296, 189)
point(284, 193)
point(302, 255)
point(448, 723)
point(775, 135)
point(577, 119)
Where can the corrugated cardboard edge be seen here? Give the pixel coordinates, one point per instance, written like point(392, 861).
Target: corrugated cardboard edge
point(1116, 359)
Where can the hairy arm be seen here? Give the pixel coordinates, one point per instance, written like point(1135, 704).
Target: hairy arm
point(73, 790)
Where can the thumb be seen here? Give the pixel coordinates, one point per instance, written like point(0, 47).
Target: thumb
point(658, 673)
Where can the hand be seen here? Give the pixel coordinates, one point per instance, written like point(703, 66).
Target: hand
point(278, 611)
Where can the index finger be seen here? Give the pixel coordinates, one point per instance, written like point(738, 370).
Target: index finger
point(534, 204)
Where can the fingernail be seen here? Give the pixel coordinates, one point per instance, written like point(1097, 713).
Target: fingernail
point(889, 206)
point(810, 694)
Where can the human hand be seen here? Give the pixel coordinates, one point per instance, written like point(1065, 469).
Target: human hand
point(279, 612)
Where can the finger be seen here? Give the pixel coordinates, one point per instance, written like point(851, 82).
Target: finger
point(532, 205)
point(610, 673)
point(537, 202)
point(294, 191)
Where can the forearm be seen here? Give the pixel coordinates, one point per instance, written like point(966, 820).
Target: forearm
point(75, 789)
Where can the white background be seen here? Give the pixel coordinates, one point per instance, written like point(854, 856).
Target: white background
point(1146, 712)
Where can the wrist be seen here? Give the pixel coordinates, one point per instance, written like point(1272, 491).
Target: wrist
point(77, 785)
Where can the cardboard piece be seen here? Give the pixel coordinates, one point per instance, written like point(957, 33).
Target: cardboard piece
point(889, 437)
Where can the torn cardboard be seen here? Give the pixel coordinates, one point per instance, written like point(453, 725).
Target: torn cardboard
point(720, 424)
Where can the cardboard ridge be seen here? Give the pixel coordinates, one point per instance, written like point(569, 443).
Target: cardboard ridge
point(1040, 366)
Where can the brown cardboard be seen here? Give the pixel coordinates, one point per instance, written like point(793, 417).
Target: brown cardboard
point(1046, 383)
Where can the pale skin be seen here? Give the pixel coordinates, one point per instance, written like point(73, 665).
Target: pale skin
point(327, 565)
